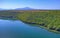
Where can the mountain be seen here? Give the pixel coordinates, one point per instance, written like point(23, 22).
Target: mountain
point(26, 8)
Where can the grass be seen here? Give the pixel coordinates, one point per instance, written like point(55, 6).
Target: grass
point(6, 14)
point(46, 18)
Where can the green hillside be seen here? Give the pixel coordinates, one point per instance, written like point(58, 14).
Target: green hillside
point(49, 19)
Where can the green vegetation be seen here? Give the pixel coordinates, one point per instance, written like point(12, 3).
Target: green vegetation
point(49, 19)
point(8, 14)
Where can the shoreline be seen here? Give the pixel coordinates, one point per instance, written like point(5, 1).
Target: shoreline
point(50, 30)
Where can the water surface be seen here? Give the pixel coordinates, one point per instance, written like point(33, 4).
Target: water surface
point(18, 29)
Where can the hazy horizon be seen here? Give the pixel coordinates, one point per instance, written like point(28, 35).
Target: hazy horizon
point(36, 4)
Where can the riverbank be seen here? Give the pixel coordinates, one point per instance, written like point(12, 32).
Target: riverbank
point(46, 19)
point(18, 29)
point(41, 26)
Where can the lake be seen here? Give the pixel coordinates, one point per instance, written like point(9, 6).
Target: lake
point(18, 29)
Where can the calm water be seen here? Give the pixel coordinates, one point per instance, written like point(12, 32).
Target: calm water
point(17, 29)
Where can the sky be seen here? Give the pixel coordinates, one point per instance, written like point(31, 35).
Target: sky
point(36, 4)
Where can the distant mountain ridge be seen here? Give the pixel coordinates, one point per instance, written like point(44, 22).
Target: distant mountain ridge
point(26, 8)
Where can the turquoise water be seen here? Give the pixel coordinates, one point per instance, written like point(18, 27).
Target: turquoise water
point(18, 29)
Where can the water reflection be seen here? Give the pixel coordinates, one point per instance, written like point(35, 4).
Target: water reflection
point(18, 29)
